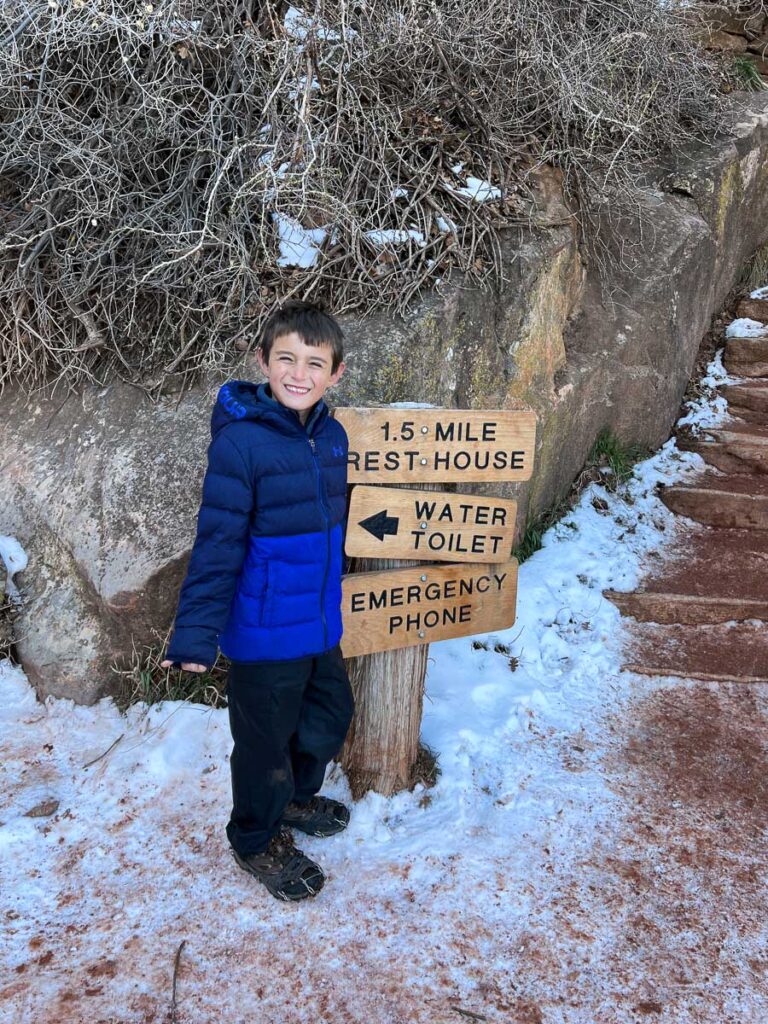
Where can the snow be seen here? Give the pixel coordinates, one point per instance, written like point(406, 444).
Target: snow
point(299, 246)
point(298, 24)
point(435, 899)
point(709, 409)
point(15, 560)
point(759, 293)
point(746, 328)
point(395, 236)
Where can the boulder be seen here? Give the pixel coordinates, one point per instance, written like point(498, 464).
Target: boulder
point(101, 489)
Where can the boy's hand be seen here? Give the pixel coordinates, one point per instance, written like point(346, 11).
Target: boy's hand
point(186, 666)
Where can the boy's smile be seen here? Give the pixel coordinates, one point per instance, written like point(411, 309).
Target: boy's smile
point(299, 374)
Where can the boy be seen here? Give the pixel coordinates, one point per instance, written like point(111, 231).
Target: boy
point(264, 584)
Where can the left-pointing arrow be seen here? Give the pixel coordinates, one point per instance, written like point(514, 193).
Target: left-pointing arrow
point(381, 524)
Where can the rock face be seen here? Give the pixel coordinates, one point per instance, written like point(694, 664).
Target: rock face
point(102, 488)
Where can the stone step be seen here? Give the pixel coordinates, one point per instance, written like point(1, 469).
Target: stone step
point(753, 309)
point(746, 357)
point(686, 609)
point(747, 415)
point(743, 459)
point(727, 652)
point(752, 396)
point(737, 448)
point(732, 501)
point(714, 575)
point(711, 561)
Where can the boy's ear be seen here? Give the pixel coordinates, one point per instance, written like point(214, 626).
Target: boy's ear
point(337, 374)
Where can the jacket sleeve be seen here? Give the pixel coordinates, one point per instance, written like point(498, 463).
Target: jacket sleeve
point(217, 555)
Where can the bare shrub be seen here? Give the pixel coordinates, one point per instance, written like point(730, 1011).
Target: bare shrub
point(159, 158)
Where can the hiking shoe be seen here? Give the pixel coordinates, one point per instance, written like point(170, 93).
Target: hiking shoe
point(286, 872)
point(317, 817)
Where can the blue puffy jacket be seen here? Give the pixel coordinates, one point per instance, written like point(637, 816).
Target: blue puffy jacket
point(264, 577)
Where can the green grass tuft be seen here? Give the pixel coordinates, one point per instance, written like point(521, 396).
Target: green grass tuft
point(144, 680)
point(746, 74)
point(610, 454)
point(534, 531)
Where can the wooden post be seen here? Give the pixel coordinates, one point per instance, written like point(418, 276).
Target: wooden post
point(383, 741)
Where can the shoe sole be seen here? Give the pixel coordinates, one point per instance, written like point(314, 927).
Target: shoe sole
point(275, 890)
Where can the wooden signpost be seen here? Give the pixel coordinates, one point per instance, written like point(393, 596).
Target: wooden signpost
point(429, 525)
point(438, 445)
point(400, 607)
point(392, 613)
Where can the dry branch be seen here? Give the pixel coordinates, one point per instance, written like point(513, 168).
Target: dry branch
point(151, 151)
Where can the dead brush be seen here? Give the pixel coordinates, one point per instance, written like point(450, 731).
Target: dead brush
point(158, 160)
point(143, 680)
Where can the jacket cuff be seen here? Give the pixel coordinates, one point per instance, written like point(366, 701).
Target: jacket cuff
point(185, 647)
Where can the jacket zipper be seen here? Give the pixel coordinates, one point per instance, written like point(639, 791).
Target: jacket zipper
point(326, 517)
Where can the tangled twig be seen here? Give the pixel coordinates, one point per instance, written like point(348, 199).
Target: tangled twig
point(169, 169)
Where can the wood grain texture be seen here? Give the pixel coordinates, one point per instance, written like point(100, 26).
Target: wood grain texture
point(438, 445)
point(403, 607)
point(429, 525)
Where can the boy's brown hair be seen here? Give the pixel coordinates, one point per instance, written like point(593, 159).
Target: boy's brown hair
point(313, 326)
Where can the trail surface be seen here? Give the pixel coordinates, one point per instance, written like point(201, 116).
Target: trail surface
point(593, 853)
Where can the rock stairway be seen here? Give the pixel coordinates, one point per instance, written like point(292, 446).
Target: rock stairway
point(704, 613)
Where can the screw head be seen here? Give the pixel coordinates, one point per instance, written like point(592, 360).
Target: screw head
point(423, 462)
point(423, 526)
point(423, 579)
point(425, 430)
point(422, 634)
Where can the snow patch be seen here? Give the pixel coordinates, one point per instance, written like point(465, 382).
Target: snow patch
point(15, 560)
point(299, 246)
point(746, 328)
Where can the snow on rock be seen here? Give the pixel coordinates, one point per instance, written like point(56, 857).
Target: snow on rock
point(14, 557)
point(759, 293)
point(746, 328)
point(709, 409)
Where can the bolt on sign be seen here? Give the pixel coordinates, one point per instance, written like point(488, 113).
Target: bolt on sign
point(403, 607)
point(438, 445)
point(389, 522)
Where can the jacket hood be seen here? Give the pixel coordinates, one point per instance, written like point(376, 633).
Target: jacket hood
point(242, 400)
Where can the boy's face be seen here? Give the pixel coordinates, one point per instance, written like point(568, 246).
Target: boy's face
point(299, 374)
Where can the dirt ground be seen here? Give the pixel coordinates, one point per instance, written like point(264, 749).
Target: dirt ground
point(650, 910)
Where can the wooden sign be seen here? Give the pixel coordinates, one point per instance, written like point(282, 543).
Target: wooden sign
point(403, 607)
point(390, 522)
point(438, 445)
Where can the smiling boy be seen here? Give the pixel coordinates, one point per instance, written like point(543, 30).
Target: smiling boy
point(264, 585)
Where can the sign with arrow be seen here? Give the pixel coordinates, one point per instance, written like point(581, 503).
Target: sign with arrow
point(403, 607)
point(392, 522)
point(414, 445)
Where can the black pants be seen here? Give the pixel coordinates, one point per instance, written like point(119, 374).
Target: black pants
point(288, 719)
